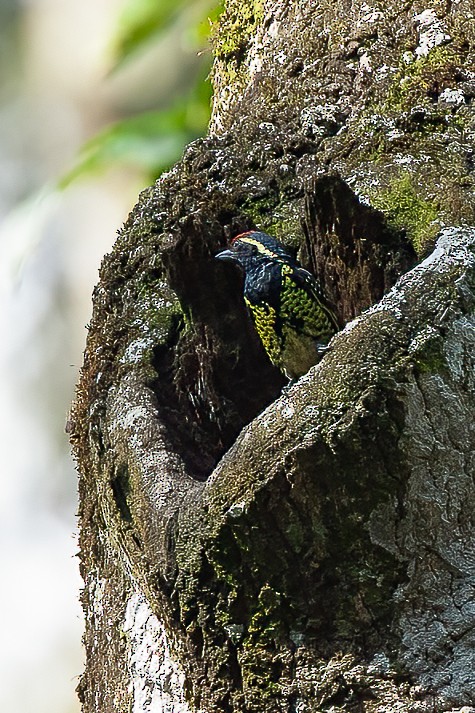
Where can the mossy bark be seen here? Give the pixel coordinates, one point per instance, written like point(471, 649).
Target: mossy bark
point(249, 550)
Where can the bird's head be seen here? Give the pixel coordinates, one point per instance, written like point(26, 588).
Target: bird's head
point(254, 248)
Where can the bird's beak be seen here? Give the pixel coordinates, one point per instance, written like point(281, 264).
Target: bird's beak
point(226, 255)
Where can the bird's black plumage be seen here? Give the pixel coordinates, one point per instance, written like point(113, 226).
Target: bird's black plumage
point(285, 302)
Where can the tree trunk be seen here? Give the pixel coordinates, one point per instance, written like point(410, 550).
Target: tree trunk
point(249, 550)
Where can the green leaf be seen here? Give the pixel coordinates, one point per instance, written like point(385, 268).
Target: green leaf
point(152, 141)
point(143, 21)
point(140, 20)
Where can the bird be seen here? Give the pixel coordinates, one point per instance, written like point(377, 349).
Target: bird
point(286, 303)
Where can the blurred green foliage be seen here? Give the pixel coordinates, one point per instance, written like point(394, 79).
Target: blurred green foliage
point(153, 141)
point(143, 21)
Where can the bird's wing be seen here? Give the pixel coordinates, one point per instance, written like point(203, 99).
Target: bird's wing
point(302, 303)
point(306, 280)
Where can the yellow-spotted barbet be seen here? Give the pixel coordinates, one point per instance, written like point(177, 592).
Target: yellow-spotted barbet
point(286, 303)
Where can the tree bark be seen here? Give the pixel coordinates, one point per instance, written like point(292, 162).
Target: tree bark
point(245, 549)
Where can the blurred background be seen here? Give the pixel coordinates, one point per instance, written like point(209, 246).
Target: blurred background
point(96, 99)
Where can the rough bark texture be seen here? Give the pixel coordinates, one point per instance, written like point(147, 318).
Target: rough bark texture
point(247, 550)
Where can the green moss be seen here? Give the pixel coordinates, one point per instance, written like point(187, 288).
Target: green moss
point(408, 211)
point(281, 220)
point(426, 350)
point(413, 83)
point(236, 25)
point(405, 112)
point(157, 314)
point(266, 622)
point(232, 34)
point(432, 362)
point(263, 669)
point(288, 230)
